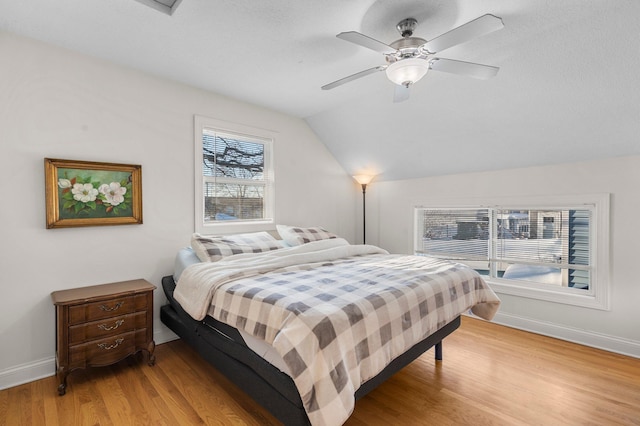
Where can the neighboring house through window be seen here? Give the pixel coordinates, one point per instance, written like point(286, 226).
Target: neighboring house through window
point(553, 249)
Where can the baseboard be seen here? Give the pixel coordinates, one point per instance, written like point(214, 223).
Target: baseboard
point(46, 367)
point(584, 337)
point(28, 372)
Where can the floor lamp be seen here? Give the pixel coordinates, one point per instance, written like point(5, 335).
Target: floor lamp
point(363, 180)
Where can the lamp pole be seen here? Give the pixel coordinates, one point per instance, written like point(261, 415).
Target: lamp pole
point(363, 180)
point(364, 215)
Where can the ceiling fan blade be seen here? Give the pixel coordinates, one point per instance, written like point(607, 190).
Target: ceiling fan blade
point(401, 93)
point(480, 26)
point(366, 41)
point(468, 69)
point(353, 77)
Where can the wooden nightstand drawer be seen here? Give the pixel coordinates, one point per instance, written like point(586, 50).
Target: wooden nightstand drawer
point(106, 308)
point(102, 324)
point(106, 327)
point(101, 352)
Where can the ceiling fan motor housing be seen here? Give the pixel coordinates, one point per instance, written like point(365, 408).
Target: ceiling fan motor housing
point(406, 27)
point(406, 48)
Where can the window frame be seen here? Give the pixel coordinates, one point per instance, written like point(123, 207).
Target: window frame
point(598, 294)
point(251, 134)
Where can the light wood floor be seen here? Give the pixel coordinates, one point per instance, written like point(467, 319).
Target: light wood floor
point(491, 375)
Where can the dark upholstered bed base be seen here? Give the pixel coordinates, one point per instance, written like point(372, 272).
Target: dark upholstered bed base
point(223, 347)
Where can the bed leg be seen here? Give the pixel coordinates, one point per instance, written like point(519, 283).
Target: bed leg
point(439, 351)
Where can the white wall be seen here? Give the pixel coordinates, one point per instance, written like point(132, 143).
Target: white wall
point(389, 213)
point(59, 104)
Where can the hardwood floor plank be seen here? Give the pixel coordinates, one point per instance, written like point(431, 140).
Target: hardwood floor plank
point(38, 415)
point(43, 404)
point(210, 402)
point(172, 406)
point(139, 392)
point(18, 406)
point(490, 375)
point(229, 402)
point(177, 407)
point(118, 407)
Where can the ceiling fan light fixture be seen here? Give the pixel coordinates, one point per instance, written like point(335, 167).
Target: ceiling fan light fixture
point(407, 71)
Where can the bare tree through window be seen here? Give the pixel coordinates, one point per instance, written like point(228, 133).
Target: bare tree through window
point(233, 170)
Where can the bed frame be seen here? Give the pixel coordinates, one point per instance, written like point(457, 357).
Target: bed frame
point(223, 347)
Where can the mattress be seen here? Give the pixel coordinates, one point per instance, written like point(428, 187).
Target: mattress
point(187, 257)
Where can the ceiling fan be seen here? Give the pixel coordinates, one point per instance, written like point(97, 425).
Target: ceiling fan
point(409, 58)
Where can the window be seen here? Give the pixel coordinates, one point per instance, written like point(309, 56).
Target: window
point(556, 252)
point(234, 177)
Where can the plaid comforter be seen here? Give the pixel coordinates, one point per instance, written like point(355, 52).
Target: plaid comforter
point(337, 315)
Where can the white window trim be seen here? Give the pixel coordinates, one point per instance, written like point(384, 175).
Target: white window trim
point(253, 133)
point(598, 295)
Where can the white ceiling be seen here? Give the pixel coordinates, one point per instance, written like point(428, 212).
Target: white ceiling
point(568, 87)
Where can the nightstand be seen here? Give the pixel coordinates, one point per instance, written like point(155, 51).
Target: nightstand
point(101, 325)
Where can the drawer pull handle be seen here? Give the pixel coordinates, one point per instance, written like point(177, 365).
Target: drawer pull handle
point(105, 327)
point(114, 308)
point(107, 347)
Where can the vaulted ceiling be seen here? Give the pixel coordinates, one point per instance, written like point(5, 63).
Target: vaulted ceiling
point(568, 87)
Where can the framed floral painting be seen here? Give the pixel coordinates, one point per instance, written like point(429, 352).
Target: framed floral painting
point(86, 193)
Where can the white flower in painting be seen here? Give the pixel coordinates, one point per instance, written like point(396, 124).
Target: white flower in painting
point(84, 192)
point(64, 183)
point(114, 193)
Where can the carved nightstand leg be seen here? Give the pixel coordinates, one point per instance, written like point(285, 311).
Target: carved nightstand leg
point(150, 348)
point(62, 387)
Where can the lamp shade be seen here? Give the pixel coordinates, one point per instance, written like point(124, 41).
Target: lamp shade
point(363, 179)
point(407, 71)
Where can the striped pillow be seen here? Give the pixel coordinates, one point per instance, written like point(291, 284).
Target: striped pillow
point(211, 248)
point(295, 236)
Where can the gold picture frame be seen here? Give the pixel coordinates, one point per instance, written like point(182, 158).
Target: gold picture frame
point(88, 193)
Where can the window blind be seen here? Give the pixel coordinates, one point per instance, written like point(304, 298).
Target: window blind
point(550, 246)
point(460, 234)
point(233, 170)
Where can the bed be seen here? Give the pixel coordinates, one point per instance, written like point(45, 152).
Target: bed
point(309, 324)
